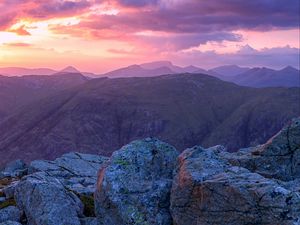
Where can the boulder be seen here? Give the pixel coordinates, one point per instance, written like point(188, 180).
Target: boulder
point(76, 171)
point(16, 168)
point(207, 189)
point(134, 187)
point(9, 190)
point(45, 201)
point(11, 213)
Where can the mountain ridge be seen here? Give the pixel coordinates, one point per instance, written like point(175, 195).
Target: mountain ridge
point(101, 115)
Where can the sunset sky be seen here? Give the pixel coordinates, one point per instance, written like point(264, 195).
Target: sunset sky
point(99, 35)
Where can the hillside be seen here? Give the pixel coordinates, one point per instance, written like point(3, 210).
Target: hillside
point(184, 110)
point(16, 92)
point(138, 71)
point(265, 77)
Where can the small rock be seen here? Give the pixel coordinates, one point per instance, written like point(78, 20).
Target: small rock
point(11, 213)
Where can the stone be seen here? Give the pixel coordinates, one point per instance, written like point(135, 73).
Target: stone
point(11, 213)
point(134, 187)
point(10, 223)
point(89, 221)
point(207, 189)
point(76, 171)
point(16, 168)
point(45, 201)
point(9, 190)
point(279, 158)
point(2, 199)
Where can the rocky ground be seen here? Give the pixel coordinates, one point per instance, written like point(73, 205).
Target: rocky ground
point(149, 182)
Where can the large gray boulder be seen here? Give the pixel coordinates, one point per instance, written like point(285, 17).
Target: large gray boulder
point(45, 201)
point(11, 213)
point(76, 171)
point(134, 188)
point(207, 189)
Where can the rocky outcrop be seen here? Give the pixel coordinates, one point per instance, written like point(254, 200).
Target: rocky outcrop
point(76, 171)
point(217, 187)
point(16, 168)
point(10, 213)
point(134, 188)
point(146, 183)
point(45, 201)
point(279, 158)
point(52, 190)
point(208, 190)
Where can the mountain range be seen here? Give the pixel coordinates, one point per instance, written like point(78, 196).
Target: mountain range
point(245, 76)
point(49, 117)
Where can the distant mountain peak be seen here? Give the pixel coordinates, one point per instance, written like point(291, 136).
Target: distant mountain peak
point(289, 68)
point(70, 69)
point(157, 64)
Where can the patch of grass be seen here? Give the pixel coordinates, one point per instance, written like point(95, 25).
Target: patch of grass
point(122, 162)
point(9, 202)
point(89, 207)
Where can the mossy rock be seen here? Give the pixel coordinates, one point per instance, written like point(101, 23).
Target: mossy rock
point(122, 162)
point(89, 207)
point(8, 202)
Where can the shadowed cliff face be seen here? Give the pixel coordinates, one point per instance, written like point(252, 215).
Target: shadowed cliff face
point(184, 110)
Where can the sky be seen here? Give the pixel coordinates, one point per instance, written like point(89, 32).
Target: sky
point(100, 35)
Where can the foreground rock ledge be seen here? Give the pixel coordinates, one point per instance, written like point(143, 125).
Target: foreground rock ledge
point(134, 188)
point(253, 186)
point(45, 201)
point(208, 190)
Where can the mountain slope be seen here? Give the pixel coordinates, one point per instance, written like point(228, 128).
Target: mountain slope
point(188, 109)
point(16, 92)
point(229, 70)
point(138, 71)
point(264, 77)
point(19, 71)
point(152, 69)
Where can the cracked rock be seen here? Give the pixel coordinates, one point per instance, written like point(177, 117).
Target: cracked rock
point(45, 201)
point(208, 189)
point(134, 187)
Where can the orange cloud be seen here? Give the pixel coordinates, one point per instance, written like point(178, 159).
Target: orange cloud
point(20, 31)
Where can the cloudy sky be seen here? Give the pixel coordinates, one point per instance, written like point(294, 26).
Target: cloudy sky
point(99, 35)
